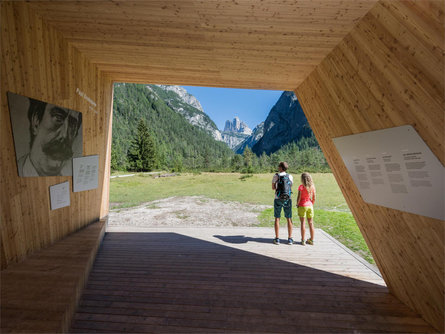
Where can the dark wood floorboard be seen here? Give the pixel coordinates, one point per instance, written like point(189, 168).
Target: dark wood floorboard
point(193, 281)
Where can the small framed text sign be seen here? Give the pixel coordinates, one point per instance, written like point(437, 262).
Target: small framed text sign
point(85, 173)
point(59, 195)
point(396, 169)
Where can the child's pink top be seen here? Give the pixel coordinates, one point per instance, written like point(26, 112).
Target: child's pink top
point(305, 200)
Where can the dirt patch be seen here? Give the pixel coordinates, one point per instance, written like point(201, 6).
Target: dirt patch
point(187, 211)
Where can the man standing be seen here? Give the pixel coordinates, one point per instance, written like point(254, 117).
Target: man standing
point(282, 185)
point(52, 130)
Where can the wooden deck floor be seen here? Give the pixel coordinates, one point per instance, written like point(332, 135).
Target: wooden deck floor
point(234, 280)
point(40, 293)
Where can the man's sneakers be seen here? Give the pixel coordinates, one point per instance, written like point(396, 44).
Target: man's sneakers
point(276, 241)
point(290, 241)
point(302, 243)
point(310, 242)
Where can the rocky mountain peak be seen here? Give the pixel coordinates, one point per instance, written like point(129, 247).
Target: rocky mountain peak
point(237, 126)
point(184, 103)
point(285, 123)
point(184, 95)
point(251, 140)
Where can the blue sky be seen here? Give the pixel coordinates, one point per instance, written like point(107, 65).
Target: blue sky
point(222, 104)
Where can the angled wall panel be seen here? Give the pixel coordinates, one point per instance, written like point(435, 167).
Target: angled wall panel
point(38, 63)
point(388, 72)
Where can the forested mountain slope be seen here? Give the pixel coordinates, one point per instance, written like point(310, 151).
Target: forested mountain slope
point(178, 142)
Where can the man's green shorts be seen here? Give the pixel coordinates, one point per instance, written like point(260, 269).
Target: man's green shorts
point(285, 204)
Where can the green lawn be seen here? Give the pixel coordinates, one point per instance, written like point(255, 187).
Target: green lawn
point(332, 213)
point(340, 225)
point(245, 188)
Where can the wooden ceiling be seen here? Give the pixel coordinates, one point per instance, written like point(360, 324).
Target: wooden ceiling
point(266, 44)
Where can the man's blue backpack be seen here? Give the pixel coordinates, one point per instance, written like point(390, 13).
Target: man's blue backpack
point(284, 185)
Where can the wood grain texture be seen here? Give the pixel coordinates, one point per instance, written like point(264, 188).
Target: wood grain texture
point(52, 48)
point(37, 62)
point(389, 71)
point(40, 294)
point(247, 44)
point(234, 280)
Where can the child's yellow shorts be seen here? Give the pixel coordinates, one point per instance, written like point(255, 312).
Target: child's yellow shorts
point(307, 211)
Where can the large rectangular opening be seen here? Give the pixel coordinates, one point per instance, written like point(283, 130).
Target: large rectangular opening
point(210, 160)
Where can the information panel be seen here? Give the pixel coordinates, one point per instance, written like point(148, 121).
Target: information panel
point(396, 169)
point(59, 195)
point(85, 173)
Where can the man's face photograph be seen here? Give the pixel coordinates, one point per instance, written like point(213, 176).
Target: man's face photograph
point(54, 136)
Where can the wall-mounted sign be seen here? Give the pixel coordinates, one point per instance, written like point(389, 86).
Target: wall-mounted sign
point(396, 169)
point(92, 104)
point(59, 195)
point(46, 136)
point(85, 173)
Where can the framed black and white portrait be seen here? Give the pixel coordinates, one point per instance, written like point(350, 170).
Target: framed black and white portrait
point(46, 136)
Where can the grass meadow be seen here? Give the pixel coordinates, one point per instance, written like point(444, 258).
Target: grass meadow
point(331, 211)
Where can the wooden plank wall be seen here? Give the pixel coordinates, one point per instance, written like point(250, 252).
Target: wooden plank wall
point(389, 71)
point(38, 63)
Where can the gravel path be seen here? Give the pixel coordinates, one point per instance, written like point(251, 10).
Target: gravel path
point(187, 211)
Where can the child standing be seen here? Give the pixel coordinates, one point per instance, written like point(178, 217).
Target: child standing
point(305, 204)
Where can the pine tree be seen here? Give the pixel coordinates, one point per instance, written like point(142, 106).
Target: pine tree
point(237, 162)
point(142, 152)
point(248, 157)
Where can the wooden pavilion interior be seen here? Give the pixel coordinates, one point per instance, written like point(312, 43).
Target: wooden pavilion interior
point(355, 66)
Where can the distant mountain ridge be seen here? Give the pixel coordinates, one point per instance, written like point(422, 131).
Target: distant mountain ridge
point(235, 132)
point(184, 95)
point(184, 135)
point(237, 126)
point(178, 99)
point(256, 135)
point(286, 123)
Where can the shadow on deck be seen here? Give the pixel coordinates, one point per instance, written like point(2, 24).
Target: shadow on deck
point(172, 282)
